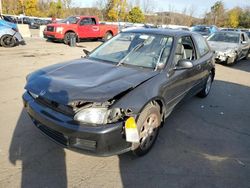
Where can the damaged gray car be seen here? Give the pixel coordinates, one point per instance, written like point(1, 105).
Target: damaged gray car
point(229, 47)
point(116, 98)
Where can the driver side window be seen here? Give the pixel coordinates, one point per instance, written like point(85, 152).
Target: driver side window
point(87, 21)
point(184, 49)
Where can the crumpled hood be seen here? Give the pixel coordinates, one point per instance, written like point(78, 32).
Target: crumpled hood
point(222, 46)
point(85, 80)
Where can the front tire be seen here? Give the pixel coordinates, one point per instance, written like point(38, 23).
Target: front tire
point(66, 39)
point(207, 87)
point(148, 125)
point(8, 41)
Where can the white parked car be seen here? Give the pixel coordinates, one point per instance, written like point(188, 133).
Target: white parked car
point(229, 46)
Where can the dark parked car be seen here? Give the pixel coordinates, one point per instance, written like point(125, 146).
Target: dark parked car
point(33, 24)
point(115, 99)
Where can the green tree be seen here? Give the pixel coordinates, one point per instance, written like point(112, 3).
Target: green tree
point(116, 10)
point(56, 9)
point(31, 8)
point(233, 17)
point(135, 15)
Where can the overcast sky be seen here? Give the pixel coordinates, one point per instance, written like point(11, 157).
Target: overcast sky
point(200, 6)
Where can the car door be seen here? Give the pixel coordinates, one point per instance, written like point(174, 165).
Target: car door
point(244, 44)
point(204, 58)
point(180, 81)
point(88, 28)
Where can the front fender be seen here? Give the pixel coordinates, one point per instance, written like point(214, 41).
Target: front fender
point(137, 98)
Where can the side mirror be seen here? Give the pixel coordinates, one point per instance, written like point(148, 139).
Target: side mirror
point(183, 64)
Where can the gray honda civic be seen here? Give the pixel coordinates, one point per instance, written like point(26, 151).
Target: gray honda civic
point(117, 97)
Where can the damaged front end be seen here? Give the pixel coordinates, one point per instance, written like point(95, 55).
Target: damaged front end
point(95, 113)
point(228, 56)
point(86, 127)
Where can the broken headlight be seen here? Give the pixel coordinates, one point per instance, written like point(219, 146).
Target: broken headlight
point(230, 52)
point(98, 115)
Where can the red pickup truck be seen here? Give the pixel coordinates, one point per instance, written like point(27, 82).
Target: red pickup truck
point(82, 26)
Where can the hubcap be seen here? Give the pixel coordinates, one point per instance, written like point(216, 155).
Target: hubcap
point(208, 85)
point(148, 131)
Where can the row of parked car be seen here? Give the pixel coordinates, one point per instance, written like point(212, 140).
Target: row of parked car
point(34, 23)
point(229, 45)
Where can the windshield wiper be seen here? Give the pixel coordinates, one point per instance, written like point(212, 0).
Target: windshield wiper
point(137, 47)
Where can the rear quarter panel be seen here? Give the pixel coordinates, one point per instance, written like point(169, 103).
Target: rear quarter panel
point(105, 28)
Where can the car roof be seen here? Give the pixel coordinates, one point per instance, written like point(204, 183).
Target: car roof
point(169, 32)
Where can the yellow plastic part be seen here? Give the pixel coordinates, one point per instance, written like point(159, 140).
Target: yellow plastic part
point(130, 123)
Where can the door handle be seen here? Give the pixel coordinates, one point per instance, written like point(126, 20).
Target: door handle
point(95, 28)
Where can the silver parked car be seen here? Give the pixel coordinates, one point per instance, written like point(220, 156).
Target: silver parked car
point(229, 46)
point(10, 37)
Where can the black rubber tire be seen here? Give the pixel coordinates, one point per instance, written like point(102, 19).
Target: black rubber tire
point(204, 92)
point(66, 39)
point(107, 36)
point(8, 41)
point(149, 110)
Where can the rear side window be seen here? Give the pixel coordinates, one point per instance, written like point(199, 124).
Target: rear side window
point(202, 45)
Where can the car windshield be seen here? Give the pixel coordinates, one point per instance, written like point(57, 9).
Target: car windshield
point(71, 20)
point(225, 37)
point(136, 49)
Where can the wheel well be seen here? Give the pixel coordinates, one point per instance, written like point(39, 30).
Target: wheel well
point(109, 31)
point(70, 31)
point(162, 108)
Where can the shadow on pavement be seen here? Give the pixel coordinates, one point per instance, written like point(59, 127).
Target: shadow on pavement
point(43, 162)
point(243, 65)
point(204, 143)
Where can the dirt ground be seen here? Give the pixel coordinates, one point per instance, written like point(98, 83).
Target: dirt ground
point(205, 143)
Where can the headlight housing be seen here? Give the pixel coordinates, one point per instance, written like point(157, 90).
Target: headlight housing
point(59, 29)
point(230, 52)
point(98, 115)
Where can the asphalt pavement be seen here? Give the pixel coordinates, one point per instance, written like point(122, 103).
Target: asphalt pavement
point(205, 143)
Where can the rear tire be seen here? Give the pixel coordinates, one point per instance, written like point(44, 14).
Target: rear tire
point(148, 125)
point(8, 41)
point(207, 87)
